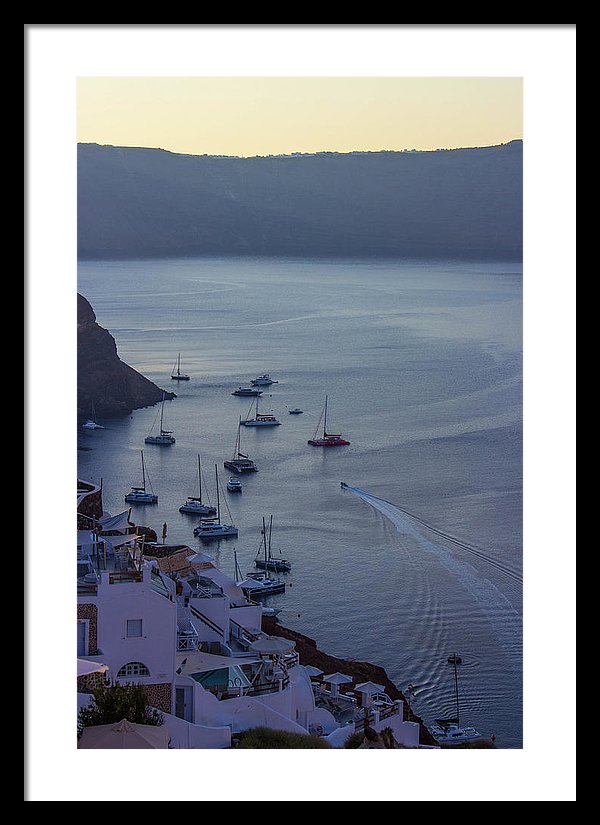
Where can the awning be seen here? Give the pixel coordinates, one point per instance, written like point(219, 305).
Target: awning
point(199, 662)
point(118, 522)
point(84, 666)
point(117, 541)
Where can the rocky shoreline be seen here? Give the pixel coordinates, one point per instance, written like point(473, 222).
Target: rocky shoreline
point(104, 382)
point(310, 654)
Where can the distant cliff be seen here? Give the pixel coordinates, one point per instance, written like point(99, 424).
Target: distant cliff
point(102, 378)
point(460, 203)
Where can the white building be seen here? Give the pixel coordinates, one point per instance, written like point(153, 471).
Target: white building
point(168, 619)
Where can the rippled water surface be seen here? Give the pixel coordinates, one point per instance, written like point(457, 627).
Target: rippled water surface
point(421, 555)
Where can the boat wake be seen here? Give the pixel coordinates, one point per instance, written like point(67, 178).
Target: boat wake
point(402, 520)
point(505, 619)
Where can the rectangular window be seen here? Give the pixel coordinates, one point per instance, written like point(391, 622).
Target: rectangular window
point(134, 628)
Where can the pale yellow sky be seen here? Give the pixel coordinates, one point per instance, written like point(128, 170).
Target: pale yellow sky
point(279, 115)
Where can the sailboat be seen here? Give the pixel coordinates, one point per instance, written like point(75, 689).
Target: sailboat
point(327, 439)
point(177, 375)
point(260, 419)
point(450, 730)
point(194, 504)
point(139, 495)
point(269, 561)
point(256, 585)
point(239, 462)
point(212, 528)
point(164, 437)
point(91, 424)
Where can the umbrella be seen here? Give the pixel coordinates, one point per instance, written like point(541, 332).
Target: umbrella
point(84, 666)
point(335, 680)
point(272, 646)
point(124, 734)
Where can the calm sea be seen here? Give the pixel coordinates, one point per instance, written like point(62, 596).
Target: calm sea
point(422, 366)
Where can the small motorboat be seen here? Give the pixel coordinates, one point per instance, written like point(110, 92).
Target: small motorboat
point(234, 485)
point(454, 658)
point(263, 381)
point(295, 411)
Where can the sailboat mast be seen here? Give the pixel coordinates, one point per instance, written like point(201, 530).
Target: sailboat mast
point(143, 473)
point(456, 689)
point(218, 500)
point(325, 419)
point(162, 407)
point(199, 481)
point(178, 362)
point(265, 541)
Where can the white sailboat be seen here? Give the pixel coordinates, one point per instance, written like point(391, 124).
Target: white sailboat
point(209, 529)
point(256, 585)
point(262, 584)
point(164, 437)
point(194, 504)
point(91, 423)
point(260, 419)
point(239, 462)
point(139, 495)
point(177, 375)
point(450, 730)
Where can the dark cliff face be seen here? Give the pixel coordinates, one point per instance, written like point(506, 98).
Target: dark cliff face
point(114, 388)
point(461, 203)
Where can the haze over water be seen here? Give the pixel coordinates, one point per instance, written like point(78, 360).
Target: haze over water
point(422, 366)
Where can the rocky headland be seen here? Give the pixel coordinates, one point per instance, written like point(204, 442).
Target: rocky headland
point(105, 382)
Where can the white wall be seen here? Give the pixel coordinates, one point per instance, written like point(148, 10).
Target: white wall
point(156, 647)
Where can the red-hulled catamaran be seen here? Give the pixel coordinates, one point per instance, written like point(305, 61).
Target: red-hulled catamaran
point(327, 439)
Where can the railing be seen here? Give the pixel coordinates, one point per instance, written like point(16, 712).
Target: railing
point(187, 642)
point(258, 689)
point(126, 576)
point(208, 622)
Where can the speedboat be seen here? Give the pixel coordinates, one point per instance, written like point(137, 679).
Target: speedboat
point(247, 391)
point(295, 411)
point(263, 381)
point(234, 485)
